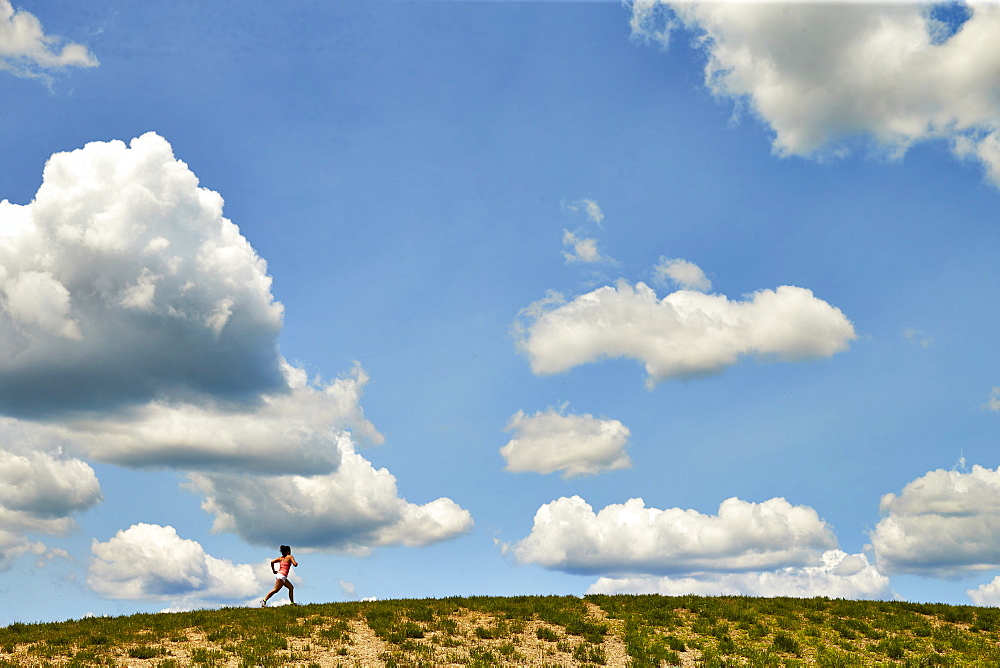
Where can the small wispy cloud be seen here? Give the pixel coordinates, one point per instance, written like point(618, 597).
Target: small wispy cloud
point(917, 337)
point(993, 403)
point(685, 275)
point(582, 249)
point(27, 52)
point(593, 211)
point(347, 588)
point(589, 207)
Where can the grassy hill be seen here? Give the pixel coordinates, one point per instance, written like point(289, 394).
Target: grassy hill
point(526, 630)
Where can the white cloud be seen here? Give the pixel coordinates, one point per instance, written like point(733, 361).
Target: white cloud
point(837, 575)
point(141, 319)
point(943, 524)
point(352, 510)
point(917, 337)
point(993, 403)
point(347, 588)
point(35, 298)
point(574, 444)
point(26, 51)
point(630, 538)
point(137, 325)
point(685, 334)
point(685, 275)
point(582, 249)
point(14, 546)
point(986, 594)
point(39, 492)
point(151, 562)
point(824, 75)
point(122, 283)
point(594, 212)
point(590, 207)
point(293, 432)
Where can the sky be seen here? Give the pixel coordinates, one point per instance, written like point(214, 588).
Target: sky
point(497, 298)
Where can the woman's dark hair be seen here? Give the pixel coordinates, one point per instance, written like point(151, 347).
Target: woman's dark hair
point(285, 550)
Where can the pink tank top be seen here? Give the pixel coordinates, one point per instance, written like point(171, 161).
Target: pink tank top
point(284, 567)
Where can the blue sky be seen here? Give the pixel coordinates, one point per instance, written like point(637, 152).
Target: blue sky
point(497, 298)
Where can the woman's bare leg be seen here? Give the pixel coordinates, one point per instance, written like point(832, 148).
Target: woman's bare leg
point(291, 591)
point(277, 587)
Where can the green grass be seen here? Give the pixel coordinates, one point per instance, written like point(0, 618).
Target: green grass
point(487, 631)
point(144, 652)
point(784, 631)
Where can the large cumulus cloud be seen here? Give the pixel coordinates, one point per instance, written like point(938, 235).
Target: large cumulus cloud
point(630, 538)
point(943, 524)
point(151, 562)
point(139, 323)
point(986, 594)
point(137, 327)
point(296, 431)
point(122, 282)
point(827, 76)
point(351, 510)
point(759, 549)
point(836, 575)
point(40, 492)
point(687, 333)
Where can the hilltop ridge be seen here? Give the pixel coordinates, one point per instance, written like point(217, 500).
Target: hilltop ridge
point(620, 630)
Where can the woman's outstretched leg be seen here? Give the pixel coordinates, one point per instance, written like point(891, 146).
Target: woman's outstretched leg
point(277, 586)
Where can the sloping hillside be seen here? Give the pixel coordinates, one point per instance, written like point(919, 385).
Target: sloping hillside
point(525, 630)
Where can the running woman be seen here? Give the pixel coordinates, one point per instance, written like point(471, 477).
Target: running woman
point(285, 562)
